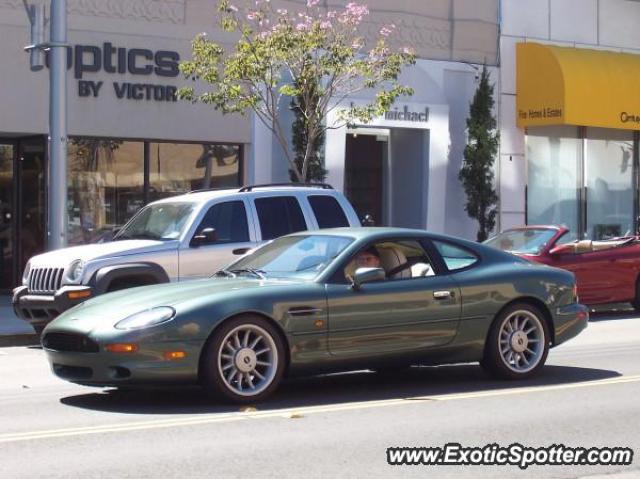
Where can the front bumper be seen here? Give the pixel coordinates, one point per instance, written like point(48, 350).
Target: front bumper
point(569, 321)
point(147, 366)
point(40, 309)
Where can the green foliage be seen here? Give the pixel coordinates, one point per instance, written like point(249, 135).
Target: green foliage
point(314, 57)
point(476, 174)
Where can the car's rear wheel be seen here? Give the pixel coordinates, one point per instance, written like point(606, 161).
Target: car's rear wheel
point(518, 343)
point(244, 360)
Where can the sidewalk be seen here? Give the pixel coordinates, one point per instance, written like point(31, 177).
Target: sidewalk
point(13, 330)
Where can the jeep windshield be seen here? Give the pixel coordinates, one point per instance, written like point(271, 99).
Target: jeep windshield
point(303, 257)
point(162, 221)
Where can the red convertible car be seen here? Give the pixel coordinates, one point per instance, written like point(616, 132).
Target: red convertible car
point(606, 271)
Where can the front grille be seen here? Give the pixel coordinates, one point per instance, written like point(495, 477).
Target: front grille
point(72, 372)
point(45, 280)
point(69, 342)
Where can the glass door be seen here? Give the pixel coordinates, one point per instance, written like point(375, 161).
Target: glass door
point(7, 217)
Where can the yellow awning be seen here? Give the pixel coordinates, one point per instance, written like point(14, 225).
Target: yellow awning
point(576, 86)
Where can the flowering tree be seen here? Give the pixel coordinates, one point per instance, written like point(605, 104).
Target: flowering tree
point(313, 54)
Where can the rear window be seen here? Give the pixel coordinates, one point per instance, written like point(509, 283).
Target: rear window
point(328, 211)
point(279, 216)
point(455, 257)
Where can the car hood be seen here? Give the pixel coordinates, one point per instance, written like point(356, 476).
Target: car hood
point(63, 257)
point(108, 309)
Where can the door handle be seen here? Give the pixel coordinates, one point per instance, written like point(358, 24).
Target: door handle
point(442, 294)
point(239, 251)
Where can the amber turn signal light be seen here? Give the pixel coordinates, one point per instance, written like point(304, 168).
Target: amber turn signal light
point(175, 355)
point(121, 348)
point(79, 294)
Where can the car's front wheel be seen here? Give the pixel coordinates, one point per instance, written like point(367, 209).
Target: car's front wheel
point(518, 343)
point(244, 360)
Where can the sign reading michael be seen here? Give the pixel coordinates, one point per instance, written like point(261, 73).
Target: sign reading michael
point(117, 60)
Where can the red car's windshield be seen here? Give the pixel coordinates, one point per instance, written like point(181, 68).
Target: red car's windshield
point(524, 241)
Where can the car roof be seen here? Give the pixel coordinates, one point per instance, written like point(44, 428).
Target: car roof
point(375, 232)
point(206, 195)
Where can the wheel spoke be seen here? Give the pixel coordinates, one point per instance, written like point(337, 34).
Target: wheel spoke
point(230, 347)
point(257, 373)
point(249, 380)
point(239, 375)
point(504, 351)
point(534, 340)
point(510, 356)
point(231, 375)
point(255, 342)
point(227, 366)
point(262, 351)
point(263, 363)
point(530, 330)
point(525, 320)
point(245, 341)
point(236, 340)
point(524, 358)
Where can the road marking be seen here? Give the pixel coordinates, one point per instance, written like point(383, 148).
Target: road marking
point(298, 411)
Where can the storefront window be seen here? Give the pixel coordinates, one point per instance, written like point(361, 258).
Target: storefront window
point(609, 181)
point(553, 158)
point(105, 186)
point(177, 168)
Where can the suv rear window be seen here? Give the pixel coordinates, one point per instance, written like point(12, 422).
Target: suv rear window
point(328, 211)
point(279, 216)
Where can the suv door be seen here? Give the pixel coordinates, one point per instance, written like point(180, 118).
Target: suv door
point(229, 219)
point(278, 216)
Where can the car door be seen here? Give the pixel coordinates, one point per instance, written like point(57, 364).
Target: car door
point(409, 312)
point(591, 270)
point(229, 219)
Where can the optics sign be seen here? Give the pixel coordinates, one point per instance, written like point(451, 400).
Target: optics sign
point(118, 60)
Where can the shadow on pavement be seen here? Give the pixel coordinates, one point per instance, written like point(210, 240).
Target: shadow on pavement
point(612, 315)
point(331, 389)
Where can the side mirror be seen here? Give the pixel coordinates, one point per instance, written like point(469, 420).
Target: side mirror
point(206, 236)
point(368, 220)
point(367, 275)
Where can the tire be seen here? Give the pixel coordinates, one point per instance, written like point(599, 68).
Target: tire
point(232, 361)
point(520, 355)
point(636, 302)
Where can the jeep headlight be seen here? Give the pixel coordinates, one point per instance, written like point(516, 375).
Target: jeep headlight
point(145, 319)
point(25, 274)
point(74, 273)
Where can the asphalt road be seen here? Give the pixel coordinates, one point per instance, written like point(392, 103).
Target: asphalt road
point(332, 426)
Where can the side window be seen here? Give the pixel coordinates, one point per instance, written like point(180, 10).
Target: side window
point(229, 220)
point(327, 211)
point(279, 216)
point(455, 257)
point(399, 259)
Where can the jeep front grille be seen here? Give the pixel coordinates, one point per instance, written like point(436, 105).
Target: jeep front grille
point(45, 280)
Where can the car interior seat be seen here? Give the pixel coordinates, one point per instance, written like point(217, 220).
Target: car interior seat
point(391, 258)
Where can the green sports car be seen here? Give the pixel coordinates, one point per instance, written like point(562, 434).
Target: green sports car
point(335, 300)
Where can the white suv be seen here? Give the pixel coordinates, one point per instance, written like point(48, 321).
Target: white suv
point(175, 239)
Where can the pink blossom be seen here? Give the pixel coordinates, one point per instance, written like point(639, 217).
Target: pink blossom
point(312, 3)
point(325, 24)
point(233, 8)
point(282, 11)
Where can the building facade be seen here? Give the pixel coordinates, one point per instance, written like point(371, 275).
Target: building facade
point(569, 109)
point(131, 142)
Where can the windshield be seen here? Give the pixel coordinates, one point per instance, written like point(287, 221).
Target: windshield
point(163, 221)
point(292, 257)
point(525, 241)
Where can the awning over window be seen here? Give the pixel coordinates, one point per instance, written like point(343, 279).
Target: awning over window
point(576, 86)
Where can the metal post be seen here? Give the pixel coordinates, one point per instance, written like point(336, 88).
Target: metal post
point(57, 218)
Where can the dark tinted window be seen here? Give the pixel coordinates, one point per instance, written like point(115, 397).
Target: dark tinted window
point(328, 211)
point(229, 220)
point(455, 257)
point(279, 216)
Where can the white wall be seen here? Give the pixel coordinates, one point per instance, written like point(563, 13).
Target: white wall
point(597, 24)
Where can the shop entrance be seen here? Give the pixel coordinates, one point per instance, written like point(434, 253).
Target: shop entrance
point(365, 164)
point(22, 205)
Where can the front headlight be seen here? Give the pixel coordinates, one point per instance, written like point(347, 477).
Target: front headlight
point(145, 319)
point(25, 275)
point(75, 270)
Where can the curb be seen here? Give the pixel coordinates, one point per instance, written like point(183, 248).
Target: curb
point(19, 340)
